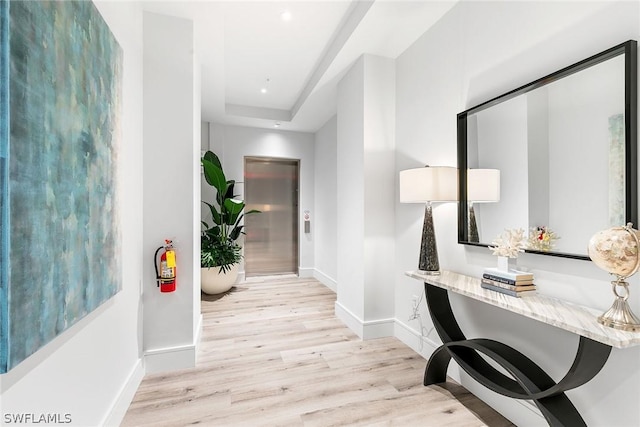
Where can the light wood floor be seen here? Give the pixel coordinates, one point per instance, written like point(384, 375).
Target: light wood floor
point(274, 354)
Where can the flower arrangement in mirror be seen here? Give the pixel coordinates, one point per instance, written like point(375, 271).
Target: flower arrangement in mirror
point(542, 238)
point(507, 246)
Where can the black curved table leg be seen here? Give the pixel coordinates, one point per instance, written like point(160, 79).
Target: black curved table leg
point(436, 371)
point(526, 379)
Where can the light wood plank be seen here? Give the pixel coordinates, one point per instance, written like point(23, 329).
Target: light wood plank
point(274, 354)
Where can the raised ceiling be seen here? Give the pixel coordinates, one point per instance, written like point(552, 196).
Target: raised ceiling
point(247, 46)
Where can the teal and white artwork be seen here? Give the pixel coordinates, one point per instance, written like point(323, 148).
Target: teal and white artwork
point(60, 113)
point(616, 171)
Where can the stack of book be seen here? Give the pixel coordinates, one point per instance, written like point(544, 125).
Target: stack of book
point(513, 282)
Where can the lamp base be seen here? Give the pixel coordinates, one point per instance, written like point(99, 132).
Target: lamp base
point(620, 316)
point(428, 261)
point(473, 225)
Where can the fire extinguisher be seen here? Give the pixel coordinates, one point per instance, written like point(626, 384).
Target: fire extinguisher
point(166, 274)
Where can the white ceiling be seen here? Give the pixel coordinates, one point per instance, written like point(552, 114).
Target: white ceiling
point(241, 44)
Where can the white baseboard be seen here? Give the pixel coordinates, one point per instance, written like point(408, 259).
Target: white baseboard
point(198, 334)
point(366, 330)
point(302, 272)
point(519, 412)
point(412, 338)
point(170, 359)
point(424, 346)
point(305, 272)
point(125, 396)
point(348, 318)
point(378, 328)
point(154, 361)
point(512, 409)
point(325, 280)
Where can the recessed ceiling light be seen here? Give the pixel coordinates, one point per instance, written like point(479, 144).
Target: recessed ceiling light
point(263, 90)
point(285, 15)
point(276, 125)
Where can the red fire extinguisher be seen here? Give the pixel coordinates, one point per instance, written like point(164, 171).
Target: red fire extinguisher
point(166, 274)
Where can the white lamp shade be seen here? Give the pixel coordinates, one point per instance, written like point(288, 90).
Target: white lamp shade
point(483, 185)
point(429, 184)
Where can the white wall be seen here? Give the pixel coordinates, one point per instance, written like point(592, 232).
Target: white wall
point(574, 120)
point(171, 190)
point(194, 173)
point(204, 136)
point(477, 51)
point(207, 192)
point(366, 195)
point(233, 143)
point(502, 145)
point(538, 158)
point(350, 197)
point(324, 221)
point(92, 370)
point(380, 184)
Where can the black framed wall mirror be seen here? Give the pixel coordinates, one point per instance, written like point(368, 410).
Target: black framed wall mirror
point(565, 146)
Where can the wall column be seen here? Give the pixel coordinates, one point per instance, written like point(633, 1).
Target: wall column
point(171, 189)
point(366, 197)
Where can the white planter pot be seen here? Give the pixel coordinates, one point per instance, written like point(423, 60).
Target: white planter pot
point(213, 282)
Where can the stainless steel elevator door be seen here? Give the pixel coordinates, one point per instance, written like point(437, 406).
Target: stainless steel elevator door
point(271, 241)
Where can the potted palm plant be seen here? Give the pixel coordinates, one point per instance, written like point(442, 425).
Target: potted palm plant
point(220, 252)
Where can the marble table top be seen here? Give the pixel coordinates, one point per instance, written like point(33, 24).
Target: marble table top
point(562, 314)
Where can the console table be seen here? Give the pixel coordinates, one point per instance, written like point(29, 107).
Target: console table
point(529, 381)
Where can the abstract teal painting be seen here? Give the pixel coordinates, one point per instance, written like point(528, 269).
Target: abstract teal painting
point(60, 120)
point(616, 171)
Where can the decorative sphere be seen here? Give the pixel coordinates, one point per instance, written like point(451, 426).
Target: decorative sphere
point(615, 250)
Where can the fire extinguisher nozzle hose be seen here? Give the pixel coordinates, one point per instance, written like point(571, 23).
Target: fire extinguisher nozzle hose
point(155, 263)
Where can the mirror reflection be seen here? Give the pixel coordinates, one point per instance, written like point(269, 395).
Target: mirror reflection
point(560, 150)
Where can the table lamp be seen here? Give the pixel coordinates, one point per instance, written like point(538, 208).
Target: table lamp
point(483, 186)
point(428, 185)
